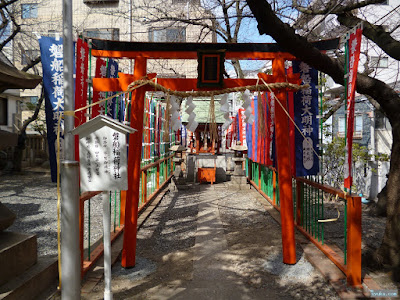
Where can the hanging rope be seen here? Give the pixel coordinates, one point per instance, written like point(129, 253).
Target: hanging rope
point(212, 120)
point(263, 87)
point(167, 119)
point(290, 118)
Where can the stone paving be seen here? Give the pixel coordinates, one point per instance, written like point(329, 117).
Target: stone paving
point(211, 242)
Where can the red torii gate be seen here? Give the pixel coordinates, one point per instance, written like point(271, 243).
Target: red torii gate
point(141, 52)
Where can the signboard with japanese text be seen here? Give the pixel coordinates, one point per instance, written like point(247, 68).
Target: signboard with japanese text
point(103, 154)
point(103, 161)
point(305, 116)
point(51, 51)
point(353, 51)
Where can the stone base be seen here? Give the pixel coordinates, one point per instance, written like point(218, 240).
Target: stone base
point(18, 252)
point(238, 183)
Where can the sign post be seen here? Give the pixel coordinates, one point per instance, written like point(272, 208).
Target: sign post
point(103, 167)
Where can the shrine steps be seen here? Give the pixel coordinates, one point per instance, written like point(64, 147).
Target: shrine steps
point(24, 276)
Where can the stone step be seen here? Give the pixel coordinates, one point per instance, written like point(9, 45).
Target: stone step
point(36, 283)
point(18, 252)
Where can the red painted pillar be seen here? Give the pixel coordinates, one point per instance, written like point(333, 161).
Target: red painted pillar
point(134, 157)
point(354, 241)
point(284, 170)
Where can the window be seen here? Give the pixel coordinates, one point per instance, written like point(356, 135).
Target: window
point(173, 34)
point(28, 55)
point(358, 126)
point(3, 111)
point(51, 33)
point(379, 62)
point(34, 99)
point(342, 126)
point(29, 10)
point(103, 33)
point(99, 1)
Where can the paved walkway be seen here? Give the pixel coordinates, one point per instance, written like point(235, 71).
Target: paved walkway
point(212, 242)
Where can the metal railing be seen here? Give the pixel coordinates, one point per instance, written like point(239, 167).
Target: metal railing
point(154, 178)
point(328, 217)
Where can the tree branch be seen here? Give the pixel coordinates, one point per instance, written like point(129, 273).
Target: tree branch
point(4, 4)
point(330, 7)
point(16, 30)
point(375, 33)
point(32, 63)
point(285, 36)
point(333, 110)
point(35, 113)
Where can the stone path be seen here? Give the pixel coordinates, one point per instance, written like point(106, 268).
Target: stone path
point(211, 242)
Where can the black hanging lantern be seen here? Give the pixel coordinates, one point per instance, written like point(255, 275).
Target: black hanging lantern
point(210, 68)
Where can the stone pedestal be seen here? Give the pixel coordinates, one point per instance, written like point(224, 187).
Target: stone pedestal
point(179, 179)
point(238, 178)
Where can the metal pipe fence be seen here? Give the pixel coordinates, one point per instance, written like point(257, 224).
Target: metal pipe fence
point(327, 216)
point(154, 177)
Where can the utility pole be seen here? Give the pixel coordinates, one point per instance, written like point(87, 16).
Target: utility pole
point(70, 252)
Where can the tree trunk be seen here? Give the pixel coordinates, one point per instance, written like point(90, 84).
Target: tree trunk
point(18, 150)
point(285, 36)
point(389, 252)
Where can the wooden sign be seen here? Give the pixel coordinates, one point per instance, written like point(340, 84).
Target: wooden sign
point(103, 154)
point(210, 68)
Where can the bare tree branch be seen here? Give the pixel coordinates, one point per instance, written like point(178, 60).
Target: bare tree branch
point(333, 109)
point(285, 36)
point(375, 33)
point(16, 30)
point(32, 63)
point(35, 113)
point(329, 7)
point(4, 4)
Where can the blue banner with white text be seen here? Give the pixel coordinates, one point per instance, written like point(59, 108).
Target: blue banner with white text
point(305, 116)
point(51, 50)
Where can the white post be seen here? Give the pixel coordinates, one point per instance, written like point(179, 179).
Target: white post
point(107, 246)
point(70, 252)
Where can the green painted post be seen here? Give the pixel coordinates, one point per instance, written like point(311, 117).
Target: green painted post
point(345, 232)
point(89, 230)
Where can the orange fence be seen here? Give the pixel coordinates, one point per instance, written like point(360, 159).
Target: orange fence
point(155, 177)
point(312, 220)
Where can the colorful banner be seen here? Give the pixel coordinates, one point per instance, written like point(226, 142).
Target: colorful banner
point(51, 51)
point(305, 117)
point(100, 72)
point(353, 54)
point(81, 86)
point(270, 129)
point(112, 72)
point(292, 128)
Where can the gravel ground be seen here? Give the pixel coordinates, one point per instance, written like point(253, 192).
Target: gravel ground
point(166, 239)
point(33, 198)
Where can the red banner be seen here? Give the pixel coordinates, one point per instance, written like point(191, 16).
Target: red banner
point(270, 129)
point(81, 85)
point(353, 46)
point(101, 72)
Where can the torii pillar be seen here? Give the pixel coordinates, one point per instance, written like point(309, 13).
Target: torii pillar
point(128, 258)
point(283, 162)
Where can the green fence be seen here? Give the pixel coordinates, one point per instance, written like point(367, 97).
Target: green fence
point(320, 212)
